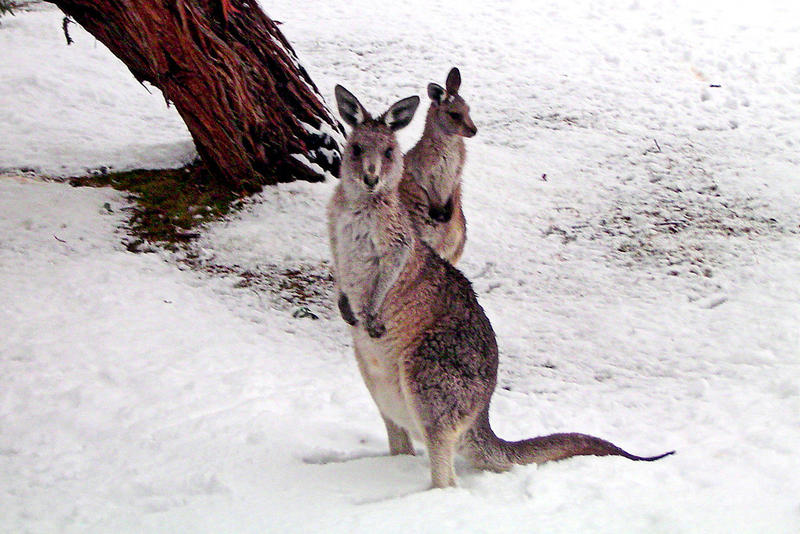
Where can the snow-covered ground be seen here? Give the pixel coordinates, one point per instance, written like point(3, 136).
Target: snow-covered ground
point(634, 236)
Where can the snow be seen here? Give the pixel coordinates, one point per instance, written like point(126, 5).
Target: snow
point(69, 109)
point(645, 290)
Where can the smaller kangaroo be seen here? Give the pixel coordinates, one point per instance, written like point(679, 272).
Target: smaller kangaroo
point(431, 185)
point(423, 344)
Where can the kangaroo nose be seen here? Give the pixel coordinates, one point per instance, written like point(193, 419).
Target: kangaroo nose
point(370, 180)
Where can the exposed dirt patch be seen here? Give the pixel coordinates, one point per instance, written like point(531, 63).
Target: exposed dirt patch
point(168, 206)
point(302, 288)
point(669, 211)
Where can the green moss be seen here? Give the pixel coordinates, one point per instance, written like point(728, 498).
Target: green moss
point(169, 203)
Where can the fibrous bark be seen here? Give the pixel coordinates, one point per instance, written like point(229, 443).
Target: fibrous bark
point(254, 114)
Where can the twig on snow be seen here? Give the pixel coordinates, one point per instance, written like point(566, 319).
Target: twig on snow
point(65, 26)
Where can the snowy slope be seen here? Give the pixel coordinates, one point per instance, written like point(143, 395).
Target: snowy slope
point(645, 290)
point(68, 109)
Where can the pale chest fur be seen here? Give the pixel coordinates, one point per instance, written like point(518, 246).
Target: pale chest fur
point(367, 236)
point(436, 165)
point(357, 254)
point(381, 368)
point(448, 169)
point(364, 235)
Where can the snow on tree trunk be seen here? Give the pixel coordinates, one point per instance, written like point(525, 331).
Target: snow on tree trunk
point(254, 114)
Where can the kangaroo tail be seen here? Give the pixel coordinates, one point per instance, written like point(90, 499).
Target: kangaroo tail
point(487, 451)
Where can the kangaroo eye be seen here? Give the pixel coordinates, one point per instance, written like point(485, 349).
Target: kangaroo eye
point(389, 153)
point(455, 116)
point(357, 150)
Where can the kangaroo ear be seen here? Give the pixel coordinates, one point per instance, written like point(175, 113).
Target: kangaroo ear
point(453, 81)
point(436, 92)
point(350, 108)
point(400, 114)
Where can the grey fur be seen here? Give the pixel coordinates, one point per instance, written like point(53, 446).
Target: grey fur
point(424, 346)
point(431, 185)
point(350, 109)
point(436, 92)
point(400, 114)
point(453, 83)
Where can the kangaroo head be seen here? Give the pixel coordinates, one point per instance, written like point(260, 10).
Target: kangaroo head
point(448, 110)
point(372, 160)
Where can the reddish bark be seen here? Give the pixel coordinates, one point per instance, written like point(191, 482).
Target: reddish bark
point(250, 106)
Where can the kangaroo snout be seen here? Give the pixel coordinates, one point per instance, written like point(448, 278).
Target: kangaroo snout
point(370, 172)
point(469, 127)
point(371, 180)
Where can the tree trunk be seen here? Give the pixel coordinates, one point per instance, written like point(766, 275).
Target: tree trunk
point(254, 114)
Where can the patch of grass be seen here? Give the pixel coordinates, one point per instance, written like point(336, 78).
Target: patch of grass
point(170, 204)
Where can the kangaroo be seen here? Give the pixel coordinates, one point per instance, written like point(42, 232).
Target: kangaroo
point(423, 344)
point(431, 185)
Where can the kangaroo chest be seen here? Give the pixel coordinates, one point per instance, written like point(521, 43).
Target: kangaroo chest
point(358, 255)
point(360, 246)
point(436, 164)
point(445, 172)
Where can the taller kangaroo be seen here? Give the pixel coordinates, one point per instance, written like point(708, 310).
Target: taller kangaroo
point(431, 186)
point(424, 346)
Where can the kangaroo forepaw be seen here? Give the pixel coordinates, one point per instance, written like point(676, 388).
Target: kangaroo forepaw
point(375, 328)
point(346, 311)
point(442, 214)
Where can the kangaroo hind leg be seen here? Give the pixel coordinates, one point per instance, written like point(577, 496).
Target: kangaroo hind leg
point(399, 441)
point(441, 451)
point(448, 380)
